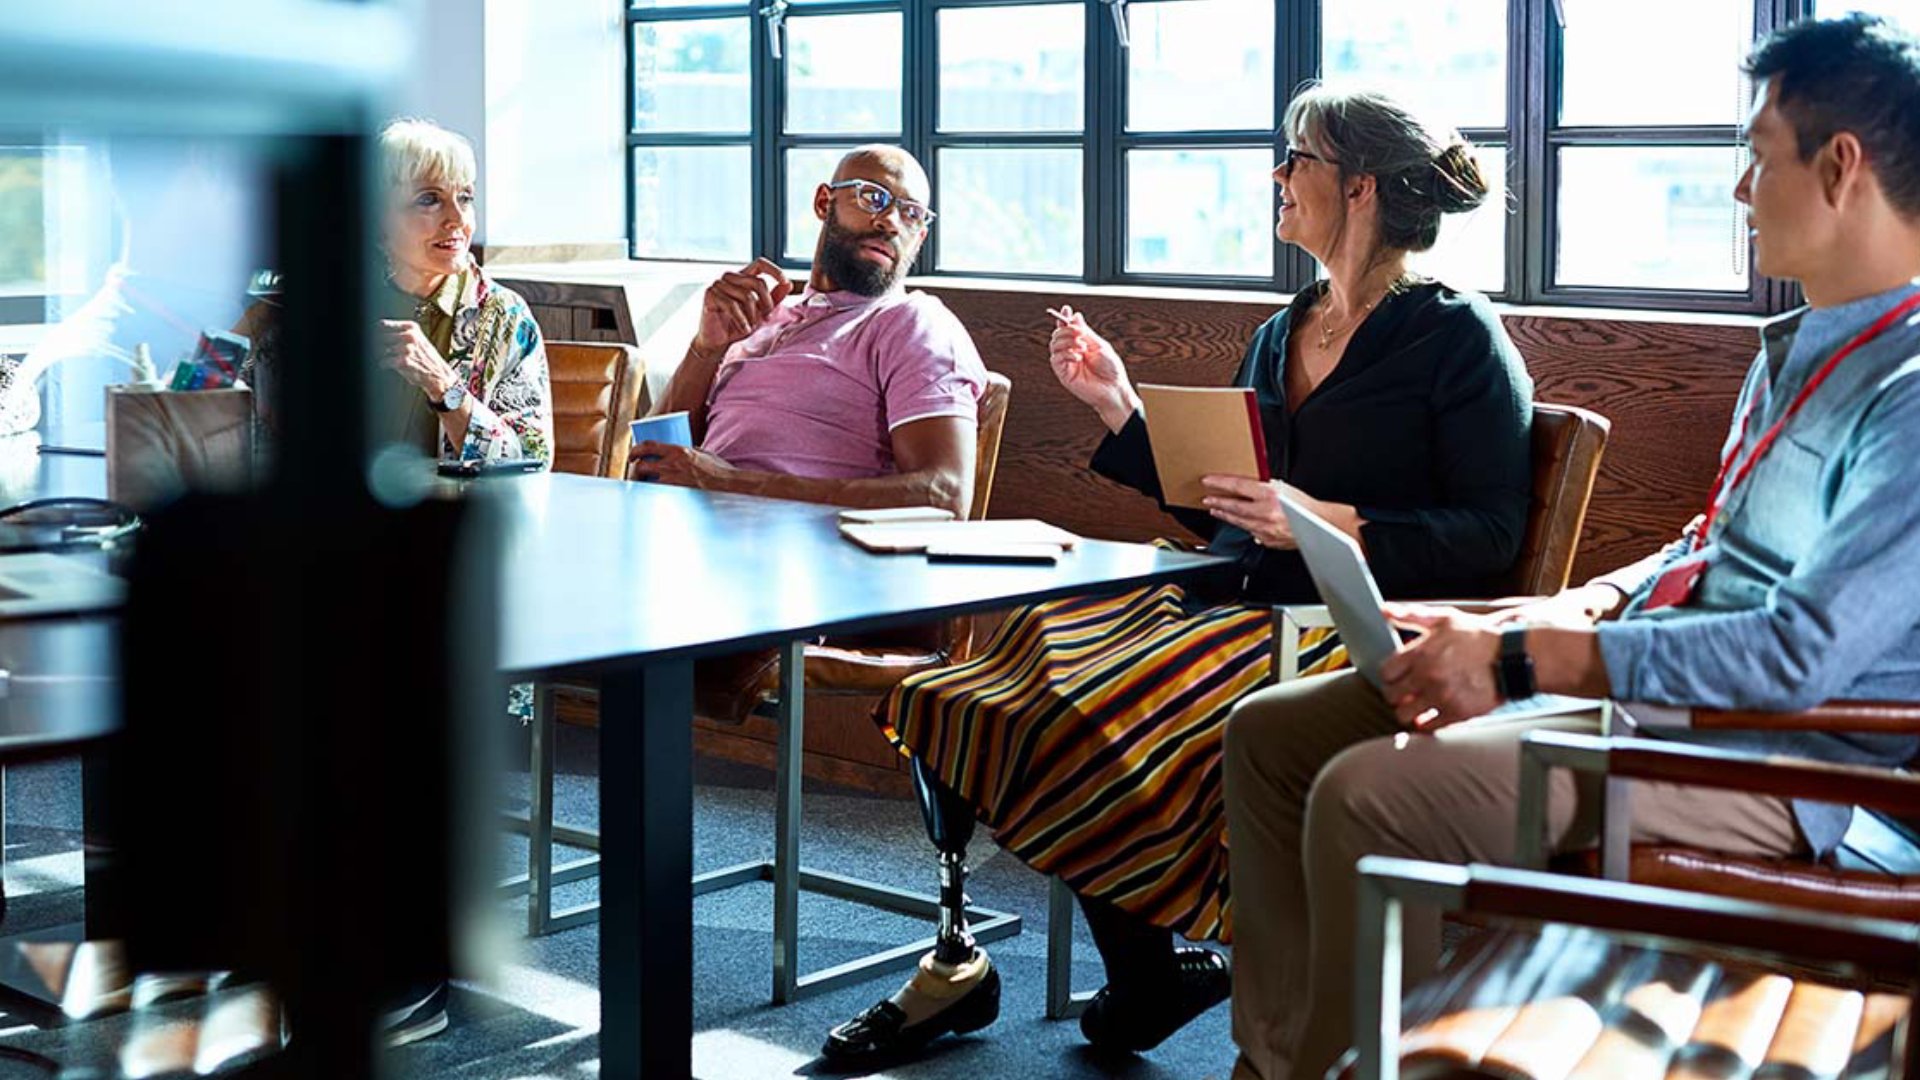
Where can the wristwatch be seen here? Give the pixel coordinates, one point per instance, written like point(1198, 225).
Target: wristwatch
point(1513, 672)
point(455, 397)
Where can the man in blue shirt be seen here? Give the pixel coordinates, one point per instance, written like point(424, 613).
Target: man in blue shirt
point(1794, 587)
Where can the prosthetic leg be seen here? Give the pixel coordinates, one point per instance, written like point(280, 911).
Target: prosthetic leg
point(950, 826)
point(955, 989)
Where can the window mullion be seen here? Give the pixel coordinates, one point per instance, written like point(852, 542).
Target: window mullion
point(627, 120)
point(1532, 105)
point(1101, 156)
point(1297, 50)
point(919, 104)
point(769, 166)
point(1771, 294)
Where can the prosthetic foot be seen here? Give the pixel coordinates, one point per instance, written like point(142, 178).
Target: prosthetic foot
point(955, 989)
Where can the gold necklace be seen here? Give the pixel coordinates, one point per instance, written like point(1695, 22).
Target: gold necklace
point(1328, 331)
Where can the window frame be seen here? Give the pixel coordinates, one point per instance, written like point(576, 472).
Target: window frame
point(27, 308)
point(1532, 139)
point(1542, 138)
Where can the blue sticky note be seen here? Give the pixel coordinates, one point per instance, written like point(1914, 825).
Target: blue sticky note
point(666, 428)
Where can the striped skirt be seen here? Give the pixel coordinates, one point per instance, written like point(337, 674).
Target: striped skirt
point(1087, 734)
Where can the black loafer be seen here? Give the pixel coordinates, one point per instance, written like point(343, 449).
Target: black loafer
point(882, 1033)
point(1117, 1021)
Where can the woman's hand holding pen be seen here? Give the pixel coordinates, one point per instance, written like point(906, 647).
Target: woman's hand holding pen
point(1087, 366)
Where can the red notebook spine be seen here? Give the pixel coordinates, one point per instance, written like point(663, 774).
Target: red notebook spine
point(1259, 436)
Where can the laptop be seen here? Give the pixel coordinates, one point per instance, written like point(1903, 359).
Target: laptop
point(37, 583)
point(1339, 571)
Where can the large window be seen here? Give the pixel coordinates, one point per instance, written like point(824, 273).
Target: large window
point(23, 233)
point(1132, 142)
point(1639, 172)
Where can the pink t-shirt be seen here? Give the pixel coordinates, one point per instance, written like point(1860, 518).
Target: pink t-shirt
point(817, 390)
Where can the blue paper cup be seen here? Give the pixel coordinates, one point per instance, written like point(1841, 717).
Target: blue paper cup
point(666, 428)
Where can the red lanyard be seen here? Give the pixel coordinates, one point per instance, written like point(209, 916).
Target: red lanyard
point(1722, 495)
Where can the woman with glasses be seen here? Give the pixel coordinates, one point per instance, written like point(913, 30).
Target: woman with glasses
point(1087, 735)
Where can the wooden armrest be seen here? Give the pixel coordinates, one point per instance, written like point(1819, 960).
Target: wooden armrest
point(1730, 770)
point(1879, 948)
point(1881, 717)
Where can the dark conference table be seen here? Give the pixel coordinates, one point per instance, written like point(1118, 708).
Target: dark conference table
point(628, 584)
point(58, 689)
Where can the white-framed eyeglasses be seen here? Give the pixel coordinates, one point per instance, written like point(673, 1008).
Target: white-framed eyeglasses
point(877, 200)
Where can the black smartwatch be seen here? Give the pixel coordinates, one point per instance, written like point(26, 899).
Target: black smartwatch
point(1513, 672)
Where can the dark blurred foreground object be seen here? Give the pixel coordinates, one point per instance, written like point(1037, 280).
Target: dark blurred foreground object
point(300, 665)
point(258, 780)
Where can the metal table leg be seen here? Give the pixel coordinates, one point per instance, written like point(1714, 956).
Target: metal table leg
point(646, 835)
point(785, 870)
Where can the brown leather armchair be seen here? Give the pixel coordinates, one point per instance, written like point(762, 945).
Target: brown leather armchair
point(1568, 442)
point(1771, 965)
point(1799, 882)
point(1706, 964)
point(596, 394)
point(1592, 980)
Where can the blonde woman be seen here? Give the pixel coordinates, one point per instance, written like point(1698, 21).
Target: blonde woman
point(468, 352)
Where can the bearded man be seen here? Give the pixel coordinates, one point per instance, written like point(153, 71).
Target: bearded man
point(854, 391)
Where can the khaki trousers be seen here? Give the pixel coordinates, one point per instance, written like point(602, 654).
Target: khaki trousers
point(1318, 773)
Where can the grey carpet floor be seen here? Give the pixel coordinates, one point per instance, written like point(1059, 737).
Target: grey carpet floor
point(537, 1013)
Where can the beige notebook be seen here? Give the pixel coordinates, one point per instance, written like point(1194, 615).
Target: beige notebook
point(921, 535)
point(1201, 431)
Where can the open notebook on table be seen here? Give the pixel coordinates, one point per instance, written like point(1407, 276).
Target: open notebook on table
point(921, 535)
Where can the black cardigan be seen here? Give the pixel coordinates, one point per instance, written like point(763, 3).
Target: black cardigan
point(1423, 426)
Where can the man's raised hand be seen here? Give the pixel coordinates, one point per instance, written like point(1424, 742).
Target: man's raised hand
point(737, 303)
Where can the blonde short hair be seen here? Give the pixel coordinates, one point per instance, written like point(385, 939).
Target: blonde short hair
point(413, 151)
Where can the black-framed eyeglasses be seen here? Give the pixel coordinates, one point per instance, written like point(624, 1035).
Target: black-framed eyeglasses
point(877, 200)
point(1294, 154)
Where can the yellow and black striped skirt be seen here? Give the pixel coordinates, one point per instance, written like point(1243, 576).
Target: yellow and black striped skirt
point(1087, 734)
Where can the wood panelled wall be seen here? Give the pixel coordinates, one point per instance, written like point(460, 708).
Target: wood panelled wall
point(1668, 387)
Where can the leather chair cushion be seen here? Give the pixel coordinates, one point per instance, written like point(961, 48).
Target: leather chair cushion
point(1567, 444)
point(1795, 882)
point(1577, 1002)
point(596, 388)
point(851, 670)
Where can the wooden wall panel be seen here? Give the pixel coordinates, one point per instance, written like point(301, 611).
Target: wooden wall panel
point(1668, 388)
